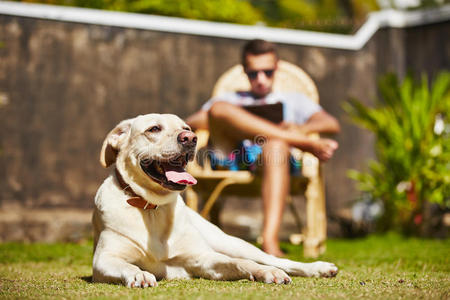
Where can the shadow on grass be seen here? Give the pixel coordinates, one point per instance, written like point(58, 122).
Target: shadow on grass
point(87, 279)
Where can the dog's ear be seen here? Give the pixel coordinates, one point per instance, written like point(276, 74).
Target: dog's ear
point(113, 142)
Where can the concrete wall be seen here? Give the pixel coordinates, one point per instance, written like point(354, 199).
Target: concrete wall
point(64, 85)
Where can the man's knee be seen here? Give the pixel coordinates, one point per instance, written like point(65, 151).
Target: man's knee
point(276, 145)
point(221, 110)
point(276, 152)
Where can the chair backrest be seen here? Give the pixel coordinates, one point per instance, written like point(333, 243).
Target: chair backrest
point(288, 78)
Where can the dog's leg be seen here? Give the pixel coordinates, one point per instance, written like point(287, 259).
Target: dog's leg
point(111, 266)
point(235, 247)
point(264, 273)
point(217, 266)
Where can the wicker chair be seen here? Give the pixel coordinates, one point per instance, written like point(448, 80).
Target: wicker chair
point(244, 183)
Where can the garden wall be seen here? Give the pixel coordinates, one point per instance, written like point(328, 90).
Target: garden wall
point(64, 85)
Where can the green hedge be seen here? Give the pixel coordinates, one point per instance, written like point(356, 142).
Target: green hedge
point(320, 15)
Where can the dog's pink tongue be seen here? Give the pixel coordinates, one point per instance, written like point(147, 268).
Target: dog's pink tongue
point(181, 177)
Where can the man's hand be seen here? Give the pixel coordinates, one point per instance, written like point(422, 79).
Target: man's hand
point(323, 149)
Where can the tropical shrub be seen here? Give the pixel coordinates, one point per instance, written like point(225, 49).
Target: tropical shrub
point(412, 166)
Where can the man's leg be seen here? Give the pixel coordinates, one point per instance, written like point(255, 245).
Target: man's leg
point(229, 123)
point(275, 187)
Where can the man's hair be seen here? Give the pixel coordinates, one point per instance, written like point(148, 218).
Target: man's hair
point(257, 47)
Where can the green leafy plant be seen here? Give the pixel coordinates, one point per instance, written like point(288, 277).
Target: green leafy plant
point(411, 127)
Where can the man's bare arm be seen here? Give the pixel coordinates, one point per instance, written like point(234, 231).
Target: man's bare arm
point(198, 120)
point(320, 122)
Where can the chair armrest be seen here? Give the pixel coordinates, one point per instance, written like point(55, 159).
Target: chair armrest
point(194, 167)
point(310, 163)
point(202, 138)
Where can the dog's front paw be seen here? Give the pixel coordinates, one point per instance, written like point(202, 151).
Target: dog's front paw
point(268, 274)
point(141, 279)
point(322, 269)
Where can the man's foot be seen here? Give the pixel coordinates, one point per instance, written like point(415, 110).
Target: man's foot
point(323, 149)
point(273, 249)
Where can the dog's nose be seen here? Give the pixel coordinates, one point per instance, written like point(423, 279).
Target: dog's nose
point(187, 138)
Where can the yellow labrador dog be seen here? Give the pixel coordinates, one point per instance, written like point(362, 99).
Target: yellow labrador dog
point(143, 231)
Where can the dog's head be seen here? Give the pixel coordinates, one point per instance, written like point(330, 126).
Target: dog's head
point(151, 152)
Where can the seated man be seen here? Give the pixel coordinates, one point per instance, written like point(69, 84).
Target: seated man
point(229, 123)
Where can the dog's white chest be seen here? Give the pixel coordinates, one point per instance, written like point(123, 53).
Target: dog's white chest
point(147, 230)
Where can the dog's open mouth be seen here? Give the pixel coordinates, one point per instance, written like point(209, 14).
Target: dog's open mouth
point(170, 174)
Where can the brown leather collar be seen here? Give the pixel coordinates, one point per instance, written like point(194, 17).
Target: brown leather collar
point(135, 200)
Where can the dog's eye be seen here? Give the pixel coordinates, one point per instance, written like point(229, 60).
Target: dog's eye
point(154, 129)
point(186, 128)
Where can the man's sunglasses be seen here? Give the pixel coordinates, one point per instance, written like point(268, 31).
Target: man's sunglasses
point(253, 74)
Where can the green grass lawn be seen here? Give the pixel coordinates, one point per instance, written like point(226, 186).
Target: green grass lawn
point(387, 267)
